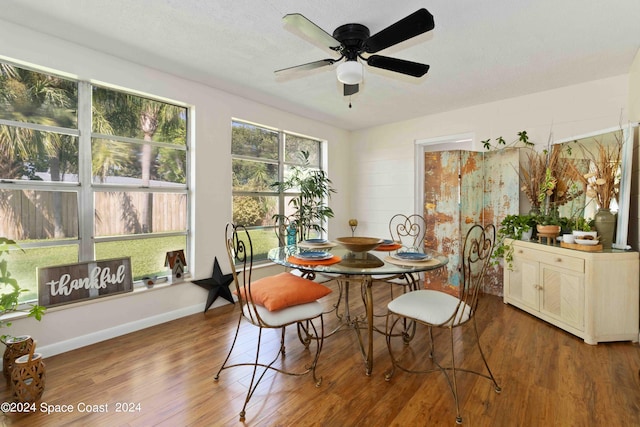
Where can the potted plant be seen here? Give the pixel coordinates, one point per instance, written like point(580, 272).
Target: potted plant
point(582, 224)
point(548, 222)
point(310, 211)
point(548, 225)
point(511, 227)
point(10, 293)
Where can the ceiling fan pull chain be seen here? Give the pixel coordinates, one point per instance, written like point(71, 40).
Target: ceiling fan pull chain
point(349, 101)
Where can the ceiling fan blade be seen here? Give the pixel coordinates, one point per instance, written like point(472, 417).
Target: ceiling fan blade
point(414, 69)
point(311, 30)
point(415, 24)
point(351, 89)
point(307, 66)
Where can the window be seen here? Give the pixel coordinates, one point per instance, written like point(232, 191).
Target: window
point(89, 172)
point(261, 157)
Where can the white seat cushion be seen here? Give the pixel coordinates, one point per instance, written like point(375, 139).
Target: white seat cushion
point(432, 307)
point(285, 316)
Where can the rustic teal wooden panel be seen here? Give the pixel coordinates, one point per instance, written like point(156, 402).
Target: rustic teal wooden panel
point(462, 188)
point(443, 214)
point(501, 198)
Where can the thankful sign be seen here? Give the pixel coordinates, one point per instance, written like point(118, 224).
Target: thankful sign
point(65, 284)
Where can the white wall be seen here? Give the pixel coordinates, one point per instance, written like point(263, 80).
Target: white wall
point(80, 324)
point(383, 181)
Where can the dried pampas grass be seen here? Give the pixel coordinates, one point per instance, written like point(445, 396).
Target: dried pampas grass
point(602, 182)
point(549, 176)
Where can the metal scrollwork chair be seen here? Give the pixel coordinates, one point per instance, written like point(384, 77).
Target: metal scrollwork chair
point(409, 231)
point(272, 302)
point(437, 309)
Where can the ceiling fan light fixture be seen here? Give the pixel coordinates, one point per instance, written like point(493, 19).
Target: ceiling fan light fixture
point(350, 72)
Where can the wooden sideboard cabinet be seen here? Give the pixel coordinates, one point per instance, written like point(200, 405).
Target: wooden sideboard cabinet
point(593, 295)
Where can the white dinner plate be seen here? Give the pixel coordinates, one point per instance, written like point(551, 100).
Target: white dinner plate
point(587, 242)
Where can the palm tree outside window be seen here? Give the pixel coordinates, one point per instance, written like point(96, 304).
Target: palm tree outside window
point(130, 193)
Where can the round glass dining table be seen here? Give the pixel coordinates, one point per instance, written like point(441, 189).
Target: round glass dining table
point(362, 266)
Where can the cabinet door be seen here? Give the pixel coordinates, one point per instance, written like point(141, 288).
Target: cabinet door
point(523, 282)
point(562, 295)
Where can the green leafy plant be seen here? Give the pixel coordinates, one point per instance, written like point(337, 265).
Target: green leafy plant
point(559, 182)
point(547, 186)
point(511, 227)
point(501, 143)
point(551, 218)
point(583, 224)
point(566, 225)
point(310, 208)
point(11, 291)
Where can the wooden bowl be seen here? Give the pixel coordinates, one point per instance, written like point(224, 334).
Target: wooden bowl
point(359, 244)
point(548, 229)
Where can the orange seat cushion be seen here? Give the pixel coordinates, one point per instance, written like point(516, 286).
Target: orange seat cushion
point(284, 290)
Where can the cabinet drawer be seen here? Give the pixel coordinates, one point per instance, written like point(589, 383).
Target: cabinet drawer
point(563, 261)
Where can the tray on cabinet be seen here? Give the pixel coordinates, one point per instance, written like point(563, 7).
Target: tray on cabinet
point(586, 248)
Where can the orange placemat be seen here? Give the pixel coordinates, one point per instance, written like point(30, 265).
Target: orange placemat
point(391, 247)
point(333, 260)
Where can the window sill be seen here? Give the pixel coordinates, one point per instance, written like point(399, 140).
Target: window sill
point(138, 288)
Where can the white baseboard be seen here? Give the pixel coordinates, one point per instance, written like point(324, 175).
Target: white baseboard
point(105, 334)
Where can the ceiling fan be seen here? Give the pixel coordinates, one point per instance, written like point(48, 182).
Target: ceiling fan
point(353, 42)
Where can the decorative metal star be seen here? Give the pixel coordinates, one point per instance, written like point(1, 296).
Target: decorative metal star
point(217, 284)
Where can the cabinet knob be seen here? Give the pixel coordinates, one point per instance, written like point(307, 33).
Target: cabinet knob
point(558, 259)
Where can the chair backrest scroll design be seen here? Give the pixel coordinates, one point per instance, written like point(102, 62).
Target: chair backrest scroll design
point(240, 253)
point(408, 230)
point(478, 246)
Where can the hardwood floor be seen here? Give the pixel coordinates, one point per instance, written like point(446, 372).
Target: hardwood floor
point(548, 378)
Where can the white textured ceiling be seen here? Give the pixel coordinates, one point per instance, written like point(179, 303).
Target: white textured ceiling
point(479, 51)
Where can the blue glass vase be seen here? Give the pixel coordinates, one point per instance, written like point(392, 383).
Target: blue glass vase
point(291, 235)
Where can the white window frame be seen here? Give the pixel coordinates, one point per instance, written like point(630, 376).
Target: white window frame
point(281, 163)
point(85, 188)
